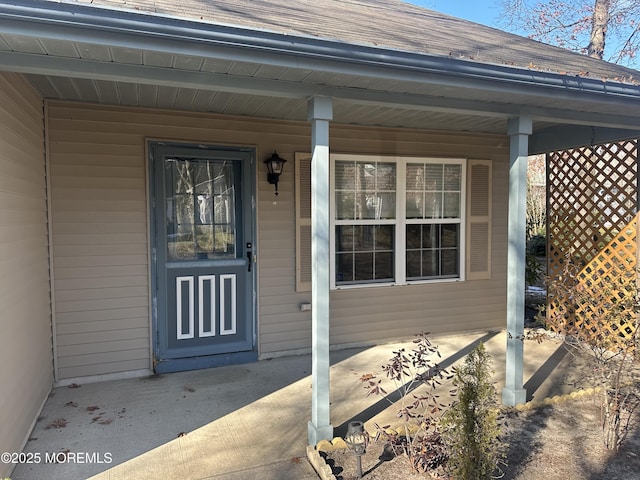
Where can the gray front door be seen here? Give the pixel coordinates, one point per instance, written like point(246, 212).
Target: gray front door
point(203, 247)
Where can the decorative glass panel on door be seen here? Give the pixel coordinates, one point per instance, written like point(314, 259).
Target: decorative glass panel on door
point(200, 209)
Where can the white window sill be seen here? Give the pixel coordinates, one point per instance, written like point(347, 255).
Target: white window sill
point(381, 285)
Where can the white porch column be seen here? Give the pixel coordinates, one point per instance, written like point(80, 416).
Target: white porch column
point(320, 112)
point(519, 130)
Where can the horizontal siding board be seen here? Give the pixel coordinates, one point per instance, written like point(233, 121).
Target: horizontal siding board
point(18, 146)
point(78, 216)
point(100, 261)
point(21, 126)
point(18, 157)
point(102, 282)
point(87, 342)
point(400, 330)
point(25, 103)
point(285, 263)
point(421, 293)
point(12, 292)
point(92, 139)
point(102, 185)
point(101, 239)
point(123, 159)
point(15, 236)
point(115, 355)
point(17, 200)
point(80, 151)
point(17, 185)
point(90, 272)
point(16, 307)
point(68, 114)
point(281, 284)
point(25, 322)
point(94, 194)
point(278, 290)
point(289, 325)
point(93, 250)
point(106, 367)
point(289, 299)
point(101, 293)
point(411, 315)
point(103, 326)
point(282, 310)
point(101, 304)
point(94, 227)
point(277, 344)
point(266, 274)
point(113, 205)
point(78, 317)
point(131, 173)
point(16, 218)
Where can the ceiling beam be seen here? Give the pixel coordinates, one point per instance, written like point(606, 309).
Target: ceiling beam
point(564, 137)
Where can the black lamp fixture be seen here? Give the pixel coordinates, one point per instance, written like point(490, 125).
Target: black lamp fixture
point(356, 440)
point(275, 166)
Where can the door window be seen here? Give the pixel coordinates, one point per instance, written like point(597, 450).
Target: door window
point(200, 209)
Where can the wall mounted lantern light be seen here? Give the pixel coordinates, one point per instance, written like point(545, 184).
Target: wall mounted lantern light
point(275, 165)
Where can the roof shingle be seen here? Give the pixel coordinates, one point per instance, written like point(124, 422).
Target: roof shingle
point(388, 24)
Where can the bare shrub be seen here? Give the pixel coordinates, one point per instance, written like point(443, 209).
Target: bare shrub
point(597, 316)
point(415, 377)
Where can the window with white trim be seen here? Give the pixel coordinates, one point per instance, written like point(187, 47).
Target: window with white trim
point(435, 225)
point(364, 221)
point(387, 231)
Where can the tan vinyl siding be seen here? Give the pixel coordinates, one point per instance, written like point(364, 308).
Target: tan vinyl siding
point(25, 322)
point(101, 236)
point(98, 201)
point(373, 314)
point(99, 209)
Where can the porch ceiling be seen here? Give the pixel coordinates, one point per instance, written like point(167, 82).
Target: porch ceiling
point(124, 76)
point(130, 77)
point(221, 102)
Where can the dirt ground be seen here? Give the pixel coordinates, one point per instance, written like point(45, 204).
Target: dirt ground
point(561, 441)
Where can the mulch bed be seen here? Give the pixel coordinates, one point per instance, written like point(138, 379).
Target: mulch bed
point(560, 441)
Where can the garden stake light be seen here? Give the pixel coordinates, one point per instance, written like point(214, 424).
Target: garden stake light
point(356, 441)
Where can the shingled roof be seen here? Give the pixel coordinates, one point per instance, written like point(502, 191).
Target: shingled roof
point(388, 24)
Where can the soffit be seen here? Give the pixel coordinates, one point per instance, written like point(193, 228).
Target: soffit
point(186, 99)
point(224, 102)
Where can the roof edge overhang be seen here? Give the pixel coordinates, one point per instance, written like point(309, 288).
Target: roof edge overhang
point(96, 25)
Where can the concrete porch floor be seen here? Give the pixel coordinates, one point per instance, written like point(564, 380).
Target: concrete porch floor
point(239, 422)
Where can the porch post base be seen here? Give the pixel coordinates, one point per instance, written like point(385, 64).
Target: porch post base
point(512, 397)
point(319, 433)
